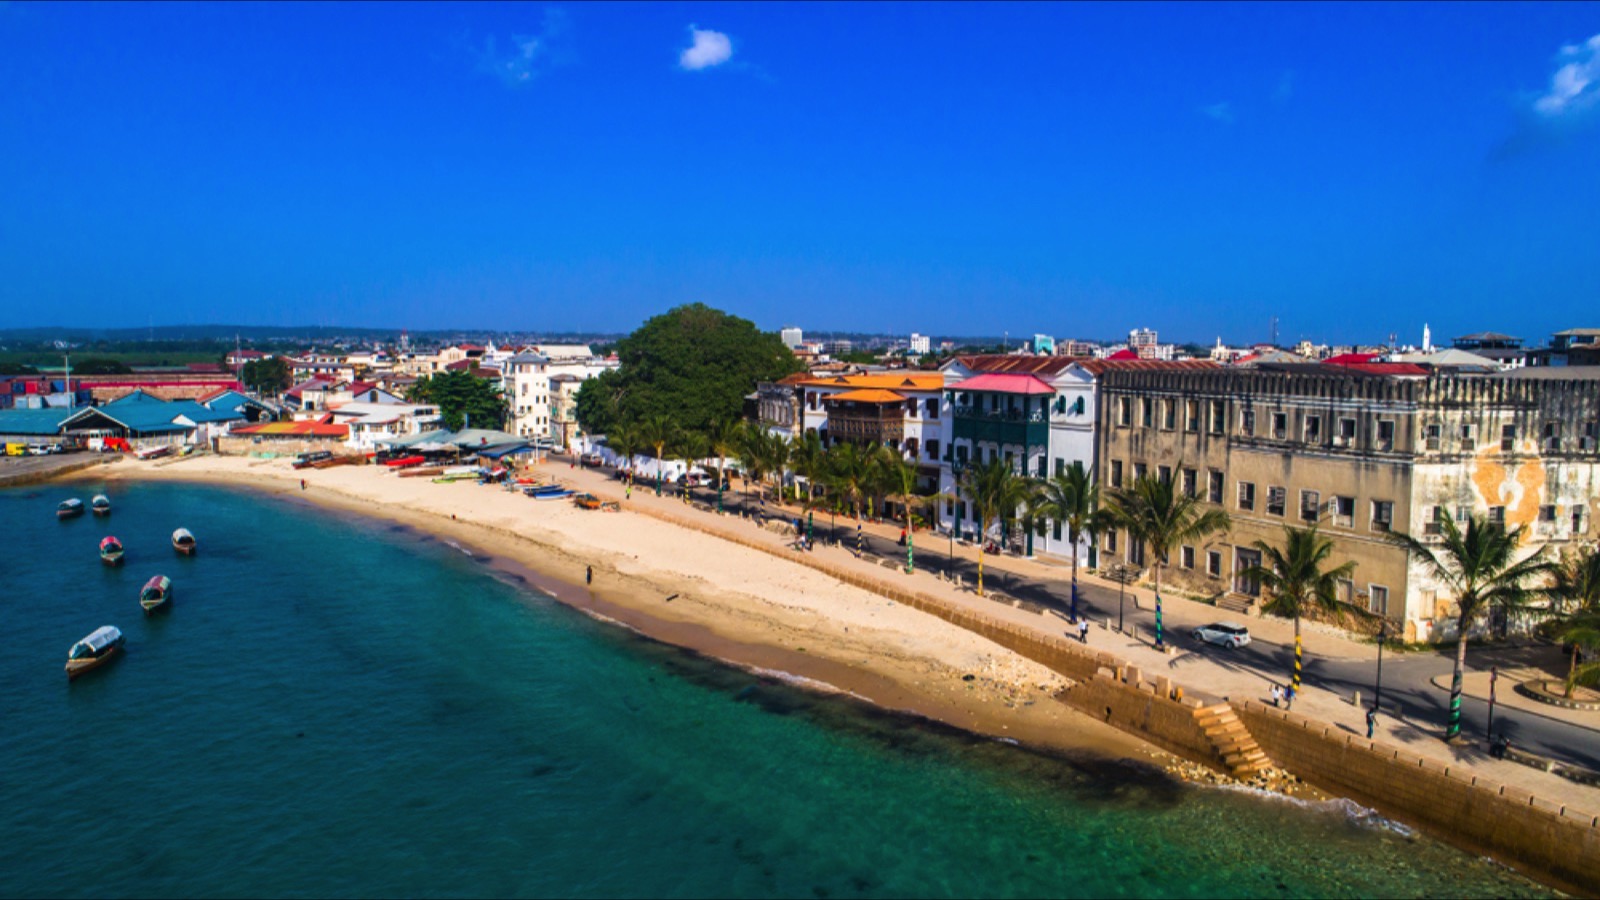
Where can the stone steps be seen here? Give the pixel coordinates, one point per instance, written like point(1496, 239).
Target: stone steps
point(1232, 741)
point(1236, 603)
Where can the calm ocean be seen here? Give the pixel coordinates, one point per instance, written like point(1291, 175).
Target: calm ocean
point(337, 707)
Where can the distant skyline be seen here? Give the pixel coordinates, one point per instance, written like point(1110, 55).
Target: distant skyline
point(1075, 170)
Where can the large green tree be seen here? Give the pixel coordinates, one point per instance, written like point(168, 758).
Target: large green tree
point(693, 363)
point(1480, 569)
point(266, 376)
point(462, 397)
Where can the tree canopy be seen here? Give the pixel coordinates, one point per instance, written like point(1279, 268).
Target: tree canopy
point(266, 376)
point(460, 396)
point(692, 363)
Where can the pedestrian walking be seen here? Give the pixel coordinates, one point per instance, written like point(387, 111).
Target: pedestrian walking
point(1277, 696)
point(627, 492)
point(1083, 631)
point(1372, 721)
point(588, 575)
point(302, 484)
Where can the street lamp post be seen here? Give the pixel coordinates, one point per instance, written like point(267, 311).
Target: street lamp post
point(1494, 675)
point(1122, 586)
point(1377, 688)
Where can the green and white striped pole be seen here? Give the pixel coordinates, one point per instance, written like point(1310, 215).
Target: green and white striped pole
point(1159, 644)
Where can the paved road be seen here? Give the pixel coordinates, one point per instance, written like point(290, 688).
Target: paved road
point(1407, 678)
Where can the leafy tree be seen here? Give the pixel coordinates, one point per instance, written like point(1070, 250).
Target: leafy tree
point(810, 461)
point(100, 366)
point(266, 376)
point(1575, 592)
point(849, 474)
point(1157, 514)
point(462, 397)
point(1479, 568)
point(724, 442)
point(1581, 632)
point(900, 477)
point(691, 447)
point(996, 491)
point(693, 363)
point(1297, 581)
point(658, 431)
point(624, 441)
point(1073, 499)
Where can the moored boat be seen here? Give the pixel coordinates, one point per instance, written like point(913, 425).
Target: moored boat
point(69, 508)
point(101, 504)
point(183, 542)
point(111, 551)
point(93, 651)
point(156, 593)
point(153, 452)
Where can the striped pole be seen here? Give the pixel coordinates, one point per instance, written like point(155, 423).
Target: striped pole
point(810, 521)
point(1453, 731)
point(911, 563)
point(1159, 644)
point(1294, 685)
point(859, 541)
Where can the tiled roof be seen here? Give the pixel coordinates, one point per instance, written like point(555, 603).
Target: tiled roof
point(887, 382)
point(1005, 383)
point(32, 421)
point(1100, 366)
point(867, 395)
point(1047, 366)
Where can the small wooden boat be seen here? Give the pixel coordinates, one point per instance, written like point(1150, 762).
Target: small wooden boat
point(153, 452)
point(404, 462)
point(557, 494)
point(111, 551)
point(156, 593)
point(69, 509)
point(183, 542)
point(93, 651)
point(101, 504)
point(422, 472)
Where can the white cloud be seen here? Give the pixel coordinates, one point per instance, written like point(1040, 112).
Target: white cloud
point(1221, 112)
point(1576, 84)
point(709, 48)
point(529, 55)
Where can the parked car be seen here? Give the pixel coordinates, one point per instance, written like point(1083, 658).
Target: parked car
point(1223, 634)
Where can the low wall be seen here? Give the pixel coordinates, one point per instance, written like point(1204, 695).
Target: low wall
point(1504, 821)
point(1139, 707)
point(244, 446)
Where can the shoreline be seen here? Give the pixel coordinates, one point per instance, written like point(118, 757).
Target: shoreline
point(1008, 698)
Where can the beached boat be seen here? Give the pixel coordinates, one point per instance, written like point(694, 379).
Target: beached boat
point(111, 551)
point(156, 593)
point(153, 452)
point(560, 494)
point(183, 542)
point(101, 504)
point(93, 651)
point(422, 472)
point(69, 508)
point(406, 462)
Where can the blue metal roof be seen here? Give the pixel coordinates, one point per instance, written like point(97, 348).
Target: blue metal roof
point(197, 414)
point(41, 422)
point(137, 417)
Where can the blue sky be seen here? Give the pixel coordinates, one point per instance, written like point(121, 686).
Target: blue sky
point(1353, 169)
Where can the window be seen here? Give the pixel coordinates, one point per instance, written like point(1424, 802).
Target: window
point(1213, 564)
point(1124, 411)
point(932, 447)
point(1378, 599)
point(1280, 425)
point(1189, 482)
point(1347, 432)
point(1139, 470)
point(1277, 498)
point(1463, 513)
point(1186, 554)
point(1164, 474)
point(1578, 523)
point(1591, 436)
point(1497, 514)
point(1430, 436)
point(1247, 422)
point(1310, 506)
point(1508, 438)
point(1116, 473)
point(1078, 407)
point(811, 400)
point(1313, 429)
point(983, 454)
point(1469, 438)
point(1169, 414)
point(1345, 591)
point(1247, 495)
point(1219, 417)
point(1434, 522)
point(1147, 412)
point(1061, 467)
point(1214, 486)
point(1385, 434)
point(1547, 513)
point(1042, 469)
point(1552, 435)
point(1344, 512)
point(961, 455)
point(1382, 515)
point(1111, 541)
point(1055, 530)
point(931, 407)
point(1191, 415)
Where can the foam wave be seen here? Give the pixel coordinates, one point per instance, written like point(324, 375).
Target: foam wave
point(1350, 810)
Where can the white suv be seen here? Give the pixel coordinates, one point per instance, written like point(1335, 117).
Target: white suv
point(1223, 634)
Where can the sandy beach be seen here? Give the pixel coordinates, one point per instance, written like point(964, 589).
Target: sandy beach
point(710, 595)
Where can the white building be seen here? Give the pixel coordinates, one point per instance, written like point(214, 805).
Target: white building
point(792, 337)
point(904, 411)
point(370, 423)
point(920, 344)
point(527, 384)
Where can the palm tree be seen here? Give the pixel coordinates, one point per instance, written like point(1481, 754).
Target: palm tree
point(810, 461)
point(777, 449)
point(1575, 592)
point(752, 457)
point(724, 442)
point(1297, 580)
point(692, 446)
point(1478, 567)
point(1161, 517)
point(658, 431)
point(1073, 499)
point(624, 441)
point(900, 476)
point(995, 491)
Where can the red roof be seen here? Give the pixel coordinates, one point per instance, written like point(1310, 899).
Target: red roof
point(1349, 359)
point(1390, 368)
point(1125, 353)
point(1101, 366)
point(1005, 383)
point(1035, 365)
point(294, 429)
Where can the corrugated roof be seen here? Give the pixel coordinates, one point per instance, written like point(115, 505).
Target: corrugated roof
point(867, 395)
point(1005, 383)
point(887, 382)
point(1101, 366)
point(1032, 365)
point(33, 421)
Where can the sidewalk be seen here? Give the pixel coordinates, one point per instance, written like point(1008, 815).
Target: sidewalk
point(1212, 673)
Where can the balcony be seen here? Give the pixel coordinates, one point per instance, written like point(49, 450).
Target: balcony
point(1002, 426)
point(866, 427)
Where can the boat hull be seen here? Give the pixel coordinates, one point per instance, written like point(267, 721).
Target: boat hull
point(151, 607)
point(77, 667)
point(69, 513)
point(184, 549)
point(111, 559)
point(102, 510)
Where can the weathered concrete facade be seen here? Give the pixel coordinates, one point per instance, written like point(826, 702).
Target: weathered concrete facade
point(1361, 454)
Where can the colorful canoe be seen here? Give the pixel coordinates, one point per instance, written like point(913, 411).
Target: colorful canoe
point(101, 504)
point(93, 651)
point(156, 594)
point(111, 551)
point(183, 542)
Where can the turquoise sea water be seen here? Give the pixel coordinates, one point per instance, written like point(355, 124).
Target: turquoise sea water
point(339, 707)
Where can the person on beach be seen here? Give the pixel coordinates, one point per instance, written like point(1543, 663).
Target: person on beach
point(302, 484)
point(1083, 631)
point(627, 492)
point(588, 575)
point(1372, 721)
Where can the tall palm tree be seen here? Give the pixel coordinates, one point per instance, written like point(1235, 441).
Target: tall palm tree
point(1297, 581)
point(1073, 499)
point(995, 491)
point(691, 447)
point(724, 442)
point(810, 461)
point(777, 449)
point(1479, 568)
point(848, 475)
point(658, 431)
point(624, 441)
point(900, 476)
point(752, 455)
point(1575, 593)
point(1155, 513)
